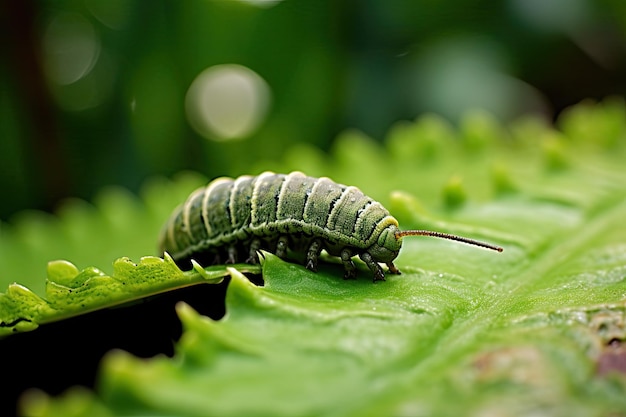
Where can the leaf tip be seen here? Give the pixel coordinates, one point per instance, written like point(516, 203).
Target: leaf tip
point(168, 258)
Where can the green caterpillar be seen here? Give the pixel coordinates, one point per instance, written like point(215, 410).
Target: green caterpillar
point(231, 219)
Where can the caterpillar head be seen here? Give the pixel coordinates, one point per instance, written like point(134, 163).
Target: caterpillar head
point(387, 245)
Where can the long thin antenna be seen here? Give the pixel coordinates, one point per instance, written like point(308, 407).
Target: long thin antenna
point(403, 233)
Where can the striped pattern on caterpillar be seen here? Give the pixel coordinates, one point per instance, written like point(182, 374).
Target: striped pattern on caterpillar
point(229, 220)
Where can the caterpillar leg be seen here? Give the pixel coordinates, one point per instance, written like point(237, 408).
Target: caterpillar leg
point(232, 255)
point(255, 245)
point(281, 247)
point(376, 269)
point(346, 258)
point(393, 269)
point(312, 253)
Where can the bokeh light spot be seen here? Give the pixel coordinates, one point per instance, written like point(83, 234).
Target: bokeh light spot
point(70, 48)
point(227, 102)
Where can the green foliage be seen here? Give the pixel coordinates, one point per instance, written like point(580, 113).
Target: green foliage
point(70, 292)
point(538, 329)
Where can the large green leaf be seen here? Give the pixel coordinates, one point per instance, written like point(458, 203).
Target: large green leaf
point(535, 330)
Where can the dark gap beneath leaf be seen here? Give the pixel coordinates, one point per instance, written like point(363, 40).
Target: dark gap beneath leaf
point(256, 279)
point(59, 355)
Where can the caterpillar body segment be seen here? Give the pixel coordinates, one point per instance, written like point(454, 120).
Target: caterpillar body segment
point(229, 220)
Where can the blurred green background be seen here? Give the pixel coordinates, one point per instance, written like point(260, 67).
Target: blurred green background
point(100, 92)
